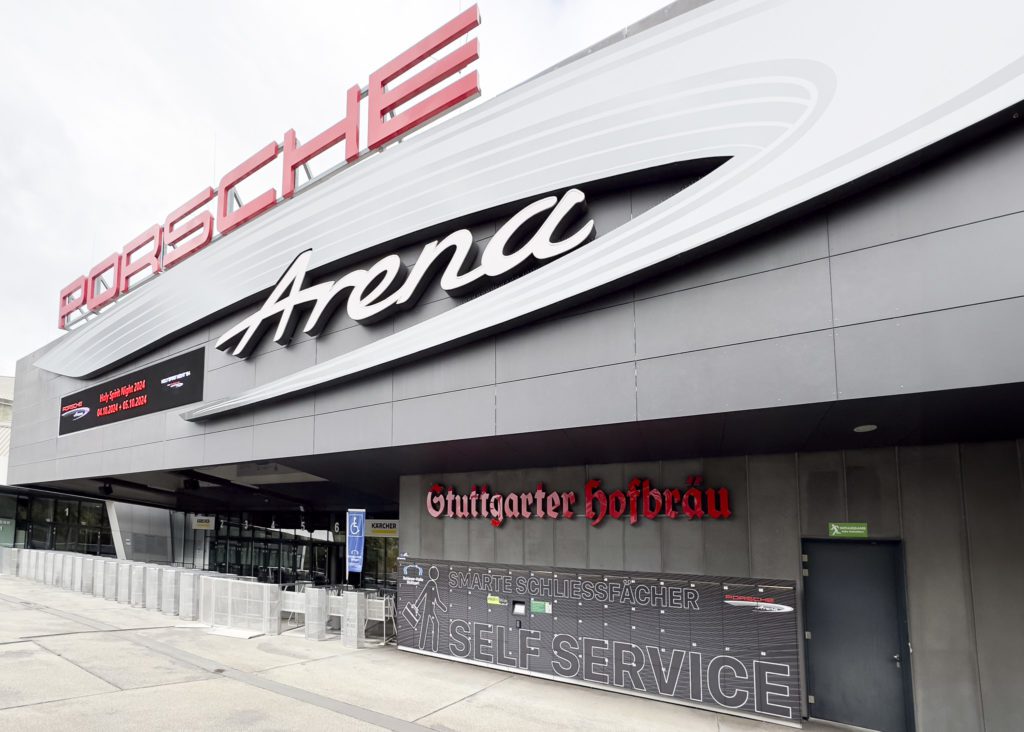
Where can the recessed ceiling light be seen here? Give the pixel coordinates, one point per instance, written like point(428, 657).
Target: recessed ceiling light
point(866, 428)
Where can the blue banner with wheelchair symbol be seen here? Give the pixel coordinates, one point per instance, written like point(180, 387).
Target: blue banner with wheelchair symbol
point(355, 534)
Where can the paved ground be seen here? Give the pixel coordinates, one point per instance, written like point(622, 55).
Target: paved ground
point(75, 662)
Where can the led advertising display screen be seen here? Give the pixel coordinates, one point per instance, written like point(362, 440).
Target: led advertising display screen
point(172, 383)
point(720, 642)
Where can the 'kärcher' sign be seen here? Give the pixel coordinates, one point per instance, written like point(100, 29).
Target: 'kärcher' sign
point(708, 641)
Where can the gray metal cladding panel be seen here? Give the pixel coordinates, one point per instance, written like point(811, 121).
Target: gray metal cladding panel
point(773, 502)
point(565, 540)
point(605, 542)
point(727, 543)
point(802, 241)
point(452, 416)
point(602, 395)
point(336, 342)
point(768, 305)
point(411, 489)
point(432, 534)
point(596, 338)
point(994, 503)
point(281, 439)
point(981, 184)
point(353, 429)
point(822, 492)
point(295, 408)
point(228, 446)
point(797, 369)
point(950, 349)
point(283, 361)
point(227, 380)
point(483, 541)
point(456, 540)
point(510, 541)
point(539, 542)
point(464, 368)
point(946, 692)
point(642, 542)
point(682, 542)
point(375, 389)
point(872, 491)
point(961, 266)
point(186, 452)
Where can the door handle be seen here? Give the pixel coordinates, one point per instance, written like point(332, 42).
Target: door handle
point(897, 659)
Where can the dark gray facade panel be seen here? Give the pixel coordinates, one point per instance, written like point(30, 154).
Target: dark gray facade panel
point(175, 427)
point(229, 446)
point(727, 543)
point(510, 544)
point(606, 541)
point(283, 361)
point(682, 542)
point(994, 504)
point(352, 429)
point(465, 368)
point(452, 416)
point(872, 491)
point(979, 183)
point(797, 369)
point(774, 508)
point(946, 689)
point(231, 422)
point(603, 395)
point(280, 439)
point(228, 380)
point(822, 493)
point(642, 542)
point(572, 539)
point(542, 537)
point(961, 266)
point(336, 342)
point(411, 497)
point(303, 406)
point(791, 244)
point(768, 305)
point(456, 536)
point(597, 338)
point(949, 349)
point(375, 389)
point(186, 452)
point(432, 531)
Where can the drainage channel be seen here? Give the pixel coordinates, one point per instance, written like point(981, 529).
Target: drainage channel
point(349, 710)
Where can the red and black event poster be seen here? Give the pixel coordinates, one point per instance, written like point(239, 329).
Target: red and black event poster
point(172, 383)
point(720, 642)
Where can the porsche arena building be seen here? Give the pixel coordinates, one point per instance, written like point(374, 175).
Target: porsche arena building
point(691, 368)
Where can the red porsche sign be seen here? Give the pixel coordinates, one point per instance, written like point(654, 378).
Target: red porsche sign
point(190, 227)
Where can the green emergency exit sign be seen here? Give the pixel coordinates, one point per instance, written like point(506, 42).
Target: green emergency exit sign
point(847, 530)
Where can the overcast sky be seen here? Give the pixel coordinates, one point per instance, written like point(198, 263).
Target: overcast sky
point(114, 113)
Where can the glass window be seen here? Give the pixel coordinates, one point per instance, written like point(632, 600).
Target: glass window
point(92, 515)
point(23, 502)
point(67, 512)
point(42, 510)
point(39, 537)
